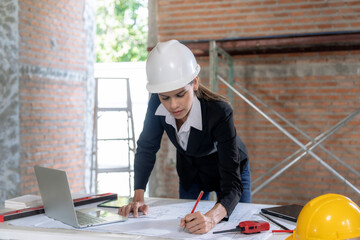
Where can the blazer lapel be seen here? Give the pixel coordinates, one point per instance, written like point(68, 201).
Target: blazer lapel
point(194, 141)
point(196, 136)
point(170, 131)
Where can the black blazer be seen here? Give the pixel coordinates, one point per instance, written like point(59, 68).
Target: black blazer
point(214, 156)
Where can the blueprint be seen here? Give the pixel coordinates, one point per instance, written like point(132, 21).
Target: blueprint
point(163, 220)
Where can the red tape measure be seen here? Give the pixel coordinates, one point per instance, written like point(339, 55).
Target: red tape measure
point(249, 227)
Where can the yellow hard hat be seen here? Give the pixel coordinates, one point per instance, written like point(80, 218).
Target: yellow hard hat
point(328, 217)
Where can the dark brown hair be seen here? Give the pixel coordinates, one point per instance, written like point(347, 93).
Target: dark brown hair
point(208, 95)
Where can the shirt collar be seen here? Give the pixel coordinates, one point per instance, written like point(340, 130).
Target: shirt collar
point(194, 119)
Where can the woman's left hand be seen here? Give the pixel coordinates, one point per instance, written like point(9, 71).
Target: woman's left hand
point(197, 223)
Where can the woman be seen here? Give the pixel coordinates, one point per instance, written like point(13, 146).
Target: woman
point(199, 122)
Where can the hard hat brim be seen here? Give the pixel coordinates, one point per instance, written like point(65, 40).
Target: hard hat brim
point(171, 86)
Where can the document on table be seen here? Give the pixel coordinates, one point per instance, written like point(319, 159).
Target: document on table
point(163, 220)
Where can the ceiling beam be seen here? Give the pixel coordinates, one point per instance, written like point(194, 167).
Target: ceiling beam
point(281, 44)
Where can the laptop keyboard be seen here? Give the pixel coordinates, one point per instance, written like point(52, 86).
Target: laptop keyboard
point(86, 219)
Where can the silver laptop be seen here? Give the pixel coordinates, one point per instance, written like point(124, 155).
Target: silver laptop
point(59, 205)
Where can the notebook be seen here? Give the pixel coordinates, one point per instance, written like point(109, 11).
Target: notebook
point(58, 203)
point(24, 201)
point(288, 212)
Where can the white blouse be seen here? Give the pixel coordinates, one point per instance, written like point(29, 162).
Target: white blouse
point(194, 120)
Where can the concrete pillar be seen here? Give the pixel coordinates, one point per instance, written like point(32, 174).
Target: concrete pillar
point(9, 100)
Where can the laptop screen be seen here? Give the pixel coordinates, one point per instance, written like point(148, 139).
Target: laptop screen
point(56, 195)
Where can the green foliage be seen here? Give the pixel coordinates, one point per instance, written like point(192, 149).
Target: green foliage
point(121, 30)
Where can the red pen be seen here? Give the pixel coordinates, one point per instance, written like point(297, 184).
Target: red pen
point(197, 201)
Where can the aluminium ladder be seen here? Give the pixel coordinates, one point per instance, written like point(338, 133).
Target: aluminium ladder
point(129, 138)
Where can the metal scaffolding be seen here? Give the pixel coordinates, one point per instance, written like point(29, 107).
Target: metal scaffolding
point(308, 148)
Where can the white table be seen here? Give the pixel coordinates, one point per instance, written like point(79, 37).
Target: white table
point(148, 226)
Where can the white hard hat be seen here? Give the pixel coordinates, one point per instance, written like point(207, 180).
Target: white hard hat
point(170, 66)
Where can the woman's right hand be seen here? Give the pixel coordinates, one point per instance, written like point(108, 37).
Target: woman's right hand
point(134, 207)
point(138, 205)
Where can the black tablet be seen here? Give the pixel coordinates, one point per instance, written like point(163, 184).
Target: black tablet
point(115, 203)
point(288, 212)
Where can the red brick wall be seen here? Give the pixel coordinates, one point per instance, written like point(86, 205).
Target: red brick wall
point(52, 89)
point(312, 90)
point(196, 20)
point(42, 22)
point(314, 101)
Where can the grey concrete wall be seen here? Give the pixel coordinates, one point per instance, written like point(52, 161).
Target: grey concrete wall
point(9, 100)
point(10, 71)
point(153, 32)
